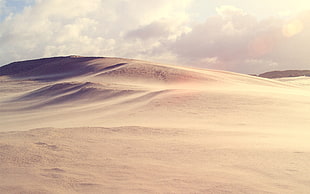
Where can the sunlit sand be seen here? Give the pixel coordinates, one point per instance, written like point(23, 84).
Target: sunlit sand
point(110, 125)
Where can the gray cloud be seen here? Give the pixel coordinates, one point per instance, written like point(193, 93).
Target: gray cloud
point(234, 40)
point(154, 30)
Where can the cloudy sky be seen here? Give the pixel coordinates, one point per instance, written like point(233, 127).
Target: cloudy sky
point(251, 36)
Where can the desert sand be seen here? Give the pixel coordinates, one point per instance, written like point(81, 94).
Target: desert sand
point(110, 125)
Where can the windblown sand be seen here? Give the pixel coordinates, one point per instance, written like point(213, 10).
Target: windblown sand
point(107, 125)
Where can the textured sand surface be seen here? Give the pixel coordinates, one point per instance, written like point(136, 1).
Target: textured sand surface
point(108, 125)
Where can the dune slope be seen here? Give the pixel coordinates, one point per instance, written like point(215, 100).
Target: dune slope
point(110, 125)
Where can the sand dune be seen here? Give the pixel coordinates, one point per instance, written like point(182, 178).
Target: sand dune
point(110, 125)
point(302, 81)
point(48, 68)
point(286, 73)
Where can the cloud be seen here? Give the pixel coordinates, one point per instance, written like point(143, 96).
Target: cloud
point(2, 9)
point(94, 27)
point(151, 40)
point(156, 30)
point(227, 11)
point(219, 36)
point(240, 42)
point(47, 24)
point(162, 31)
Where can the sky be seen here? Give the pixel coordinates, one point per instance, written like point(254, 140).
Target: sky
point(251, 36)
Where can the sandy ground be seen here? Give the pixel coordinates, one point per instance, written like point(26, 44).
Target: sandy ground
point(125, 126)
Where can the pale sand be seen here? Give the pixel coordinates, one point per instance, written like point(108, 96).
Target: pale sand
point(110, 127)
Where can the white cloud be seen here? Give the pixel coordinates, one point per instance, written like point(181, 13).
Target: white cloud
point(246, 44)
point(212, 60)
point(161, 31)
point(93, 27)
point(227, 11)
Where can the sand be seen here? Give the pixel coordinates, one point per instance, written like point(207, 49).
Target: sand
point(110, 125)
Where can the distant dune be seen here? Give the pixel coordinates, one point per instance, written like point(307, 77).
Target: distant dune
point(111, 125)
point(287, 73)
